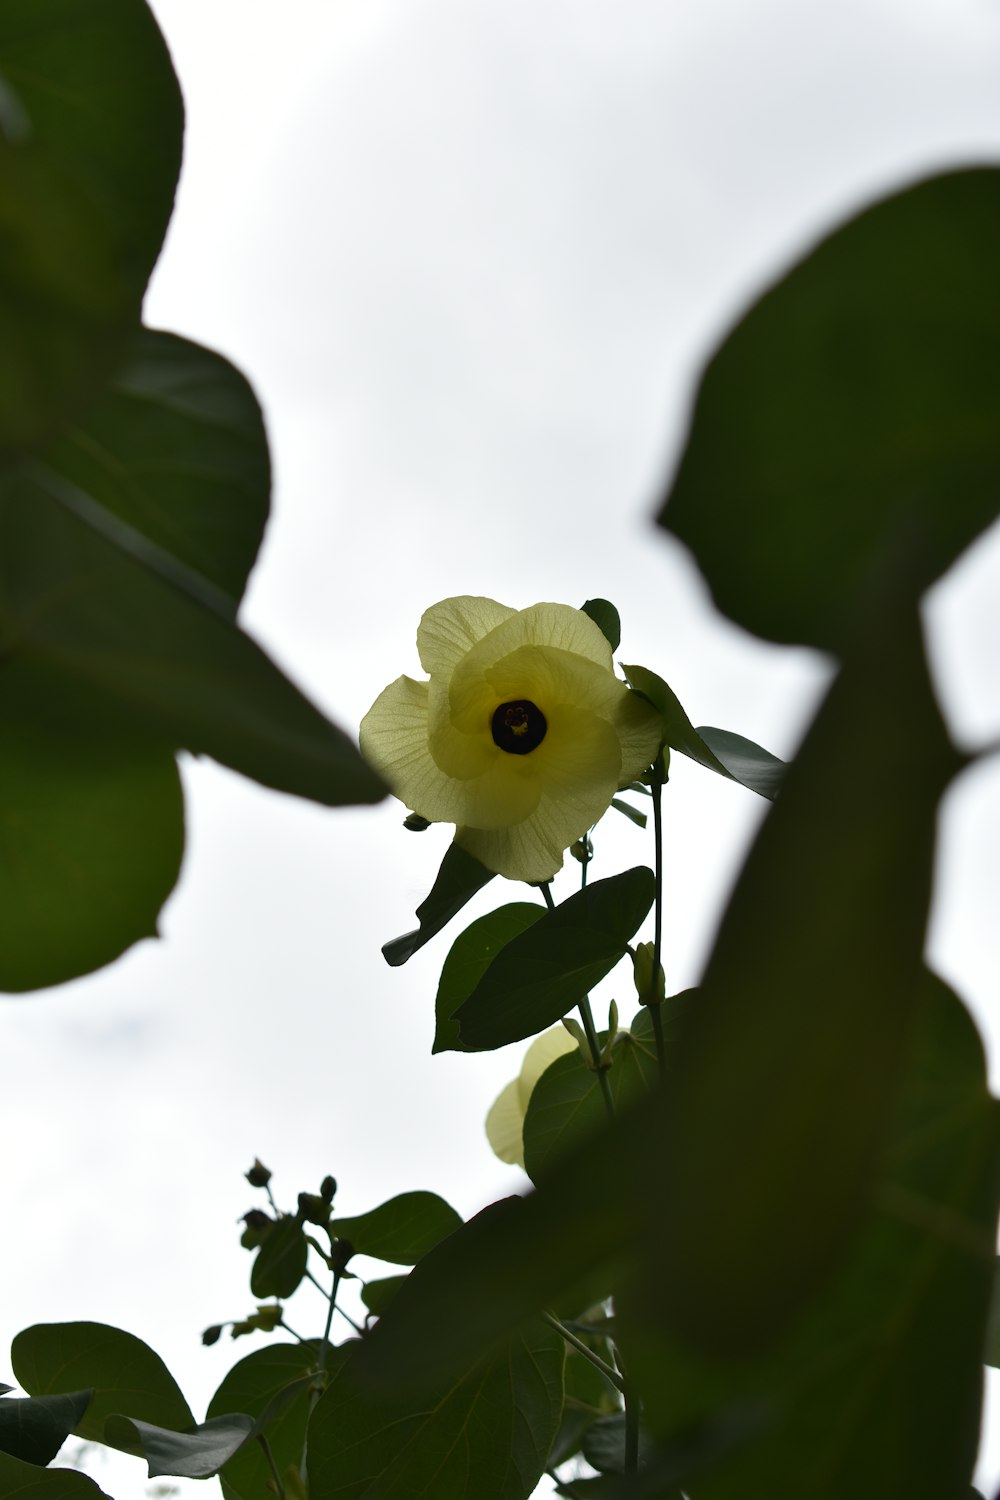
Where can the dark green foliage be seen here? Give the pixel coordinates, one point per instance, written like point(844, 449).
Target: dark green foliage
point(281, 1260)
point(847, 427)
point(606, 617)
point(27, 1482)
point(36, 1428)
point(195, 1454)
point(487, 1433)
point(468, 959)
point(125, 1375)
point(90, 149)
point(546, 970)
point(458, 880)
point(273, 1386)
point(402, 1230)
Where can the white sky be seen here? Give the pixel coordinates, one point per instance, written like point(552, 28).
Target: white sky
point(471, 255)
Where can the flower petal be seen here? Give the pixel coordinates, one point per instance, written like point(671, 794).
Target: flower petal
point(505, 1126)
point(450, 629)
point(394, 740)
point(640, 731)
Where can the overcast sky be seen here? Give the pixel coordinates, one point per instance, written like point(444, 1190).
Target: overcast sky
point(471, 255)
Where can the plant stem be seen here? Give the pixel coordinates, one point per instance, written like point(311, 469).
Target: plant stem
point(606, 1370)
point(265, 1445)
point(656, 788)
point(631, 1428)
point(587, 1017)
point(321, 1363)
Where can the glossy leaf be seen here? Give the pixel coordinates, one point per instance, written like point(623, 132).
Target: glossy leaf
point(23, 1481)
point(717, 750)
point(90, 848)
point(458, 880)
point(281, 1260)
point(541, 974)
point(34, 1429)
point(107, 642)
point(273, 1386)
point(176, 450)
point(470, 956)
point(606, 617)
point(567, 1104)
point(897, 1331)
point(89, 156)
point(487, 1434)
point(126, 1376)
point(195, 1454)
point(846, 428)
point(401, 1230)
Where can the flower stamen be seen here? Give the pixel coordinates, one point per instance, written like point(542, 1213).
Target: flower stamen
point(518, 727)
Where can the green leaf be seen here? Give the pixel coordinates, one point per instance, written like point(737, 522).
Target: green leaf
point(632, 813)
point(106, 640)
point(604, 1444)
point(36, 1428)
point(401, 1230)
point(606, 618)
point(377, 1295)
point(281, 1260)
point(541, 974)
point(487, 1434)
point(175, 449)
point(567, 1105)
point(90, 848)
point(846, 428)
point(124, 1373)
point(897, 1330)
point(195, 1454)
point(21, 1481)
point(273, 1385)
point(89, 156)
point(458, 880)
point(717, 750)
point(470, 956)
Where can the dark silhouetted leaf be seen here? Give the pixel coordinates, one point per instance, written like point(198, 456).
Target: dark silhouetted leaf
point(281, 1260)
point(21, 1481)
point(195, 1454)
point(273, 1386)
point(541, 974)
point(376, 1295)
point(470, 956)
point(458, 880)
point(402, 1230)
point(606, 618)
point(90, 848)
point(716, 749)
point(89, 157)
point(123, 1372)
point(36, 1428)
point(567, 1104)
point(486, 1434)
point(848, 422)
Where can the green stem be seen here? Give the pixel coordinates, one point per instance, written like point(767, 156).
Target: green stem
point(295, 1335)
point(320, 1364)
point(656, 788)
point(631, 1428)
point(606, 1370)
point(265, 1445)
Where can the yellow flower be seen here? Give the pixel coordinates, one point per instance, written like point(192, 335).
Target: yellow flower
point(521, 737)
point(505, 1121)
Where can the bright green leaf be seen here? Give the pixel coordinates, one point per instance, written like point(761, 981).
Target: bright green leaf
point(36, 1428)
point(847, 427)
point(124, 1373)
point(195, 1454)
point(606, 618)
point(541, 974)
point(90, 848)
point(717, 750)
point(470, 956)
point(458, 880)
point(89, 157)
point(401, 1230)
point(281, 1260)
point(485, 1435)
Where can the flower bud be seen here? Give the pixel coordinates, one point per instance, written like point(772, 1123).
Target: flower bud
point(651, 988)
point(415, 823)
point(212, 1335)
point(327, 1189)
point(313, 1209)
point(258, 1175)
point(340, 1253)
